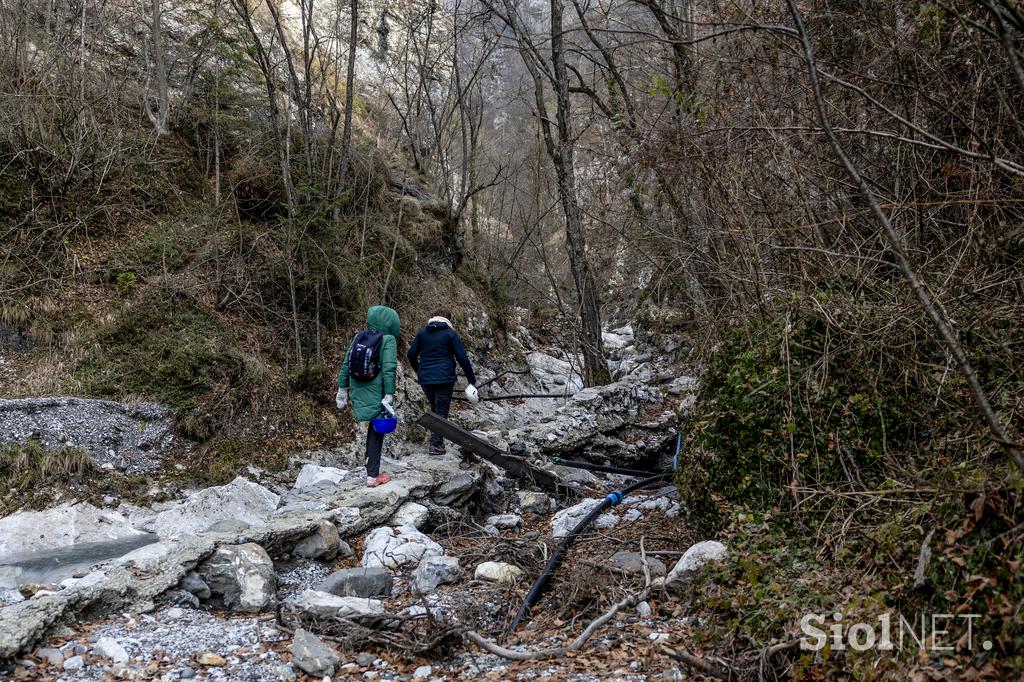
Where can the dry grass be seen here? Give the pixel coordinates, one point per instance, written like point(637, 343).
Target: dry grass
point(29, 473)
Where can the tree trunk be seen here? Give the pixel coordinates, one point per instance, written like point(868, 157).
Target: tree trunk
point(595, 368)
point(161, 116)
point(350, 83)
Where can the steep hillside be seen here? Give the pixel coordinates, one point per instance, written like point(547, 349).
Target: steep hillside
point(181, 266)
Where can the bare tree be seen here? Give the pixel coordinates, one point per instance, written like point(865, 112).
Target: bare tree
point(154, 44)
point(350, 86)
point(559, 142)
point(942, 324)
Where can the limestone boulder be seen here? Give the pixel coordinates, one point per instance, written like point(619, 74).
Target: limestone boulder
point(533, 502)
point(696, 557)
point(311, 475)
point(321, 545)
point(567, 519)
point(498, 572)
point(358, 582)
point(631, 563)
point(241, 500)
point(387, 547)
point(411, 514)
point(504, 521)
point(323, 605)
point(242, 577)
point(311, 655)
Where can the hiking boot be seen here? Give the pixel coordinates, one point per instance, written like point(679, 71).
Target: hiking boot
point(380, 480)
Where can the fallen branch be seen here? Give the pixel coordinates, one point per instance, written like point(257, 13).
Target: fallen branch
point(770, 651)
point(714, 667)
point(922, 560)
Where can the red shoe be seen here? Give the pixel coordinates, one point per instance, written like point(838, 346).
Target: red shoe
point(380, 480)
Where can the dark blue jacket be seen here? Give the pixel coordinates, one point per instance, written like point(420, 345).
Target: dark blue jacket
point(433, 354)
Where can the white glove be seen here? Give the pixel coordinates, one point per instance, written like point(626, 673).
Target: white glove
point(472, 395)
point(341, 400)
point(387, 401)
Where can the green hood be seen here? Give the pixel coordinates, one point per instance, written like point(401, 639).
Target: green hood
point(381, 318)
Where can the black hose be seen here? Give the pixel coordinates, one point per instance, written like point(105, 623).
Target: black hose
point(612, 499)
point(575, 464)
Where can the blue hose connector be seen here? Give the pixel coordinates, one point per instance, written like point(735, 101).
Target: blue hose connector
point(614, 497)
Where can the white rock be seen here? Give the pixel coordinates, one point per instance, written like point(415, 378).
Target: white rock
point(662, 503)
point(554, 375)
point(498, 572)
point(322, 544)
point(504, 521)
point(618, 339)
point(107, 647)
point(411, 514)
point(311, 475)
point(567, 519)
point(243, 576)
point(326, 605)
point(632, 515)
point(606, 521)
point(74, 663)
point(67, 524)
point(386, 547)
point(311, 655)
point(694, 558)
point(422, 672)
point(658, 637)
point(643, 609)
point(240, 500)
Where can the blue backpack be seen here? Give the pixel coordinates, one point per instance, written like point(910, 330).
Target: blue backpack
point(364, 358)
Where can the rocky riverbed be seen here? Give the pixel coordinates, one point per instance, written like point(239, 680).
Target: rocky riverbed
point(462, 573)
point(319, 576)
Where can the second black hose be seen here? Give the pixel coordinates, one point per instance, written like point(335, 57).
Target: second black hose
point(610, 500)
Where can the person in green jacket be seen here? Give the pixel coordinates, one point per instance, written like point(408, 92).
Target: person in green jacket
point(374, 398)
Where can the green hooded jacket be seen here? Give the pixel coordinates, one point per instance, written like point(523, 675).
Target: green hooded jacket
point(366, 395)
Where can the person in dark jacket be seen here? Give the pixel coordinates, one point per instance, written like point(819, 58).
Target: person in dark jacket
point(433, 354)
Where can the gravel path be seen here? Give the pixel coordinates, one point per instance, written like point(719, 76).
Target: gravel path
point(166, 645)
point(125, 437)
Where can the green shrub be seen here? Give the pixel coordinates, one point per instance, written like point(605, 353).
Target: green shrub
point(790, 402)
point(127, 282)
point(164, 347)
point(165, 246)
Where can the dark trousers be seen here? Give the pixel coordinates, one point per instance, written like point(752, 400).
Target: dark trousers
point(374, 444)
point(440, 398)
